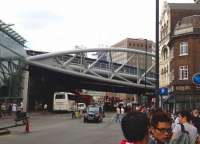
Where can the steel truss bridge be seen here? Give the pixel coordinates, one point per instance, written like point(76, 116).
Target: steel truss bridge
point(113, 67)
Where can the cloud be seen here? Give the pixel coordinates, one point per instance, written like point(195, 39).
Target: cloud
point(52, 25)
point(38, 19)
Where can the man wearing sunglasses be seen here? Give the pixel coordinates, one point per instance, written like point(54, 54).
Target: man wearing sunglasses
point(160, 129)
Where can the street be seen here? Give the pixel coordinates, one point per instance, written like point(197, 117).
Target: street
point(61, 129)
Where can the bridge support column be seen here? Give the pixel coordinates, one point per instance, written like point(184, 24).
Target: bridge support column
point(139, 95)
point(135, 98)
point(25, 90)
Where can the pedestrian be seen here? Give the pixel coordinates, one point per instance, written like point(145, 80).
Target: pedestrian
point(129, 107)
point(14, 108)
point(160, 128)
point(3, 109)
point(121, 113)
point(40, 108)
point(196, 119)
point(73, 110)
point(184, 126)
point(176, 121)
point(21, 106)
point(135, 128)
point(196, 123)
point(45, 107)
point(117, 114)
point(10, 108)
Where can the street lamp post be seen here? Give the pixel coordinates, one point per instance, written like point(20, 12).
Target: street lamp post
point(157, 55)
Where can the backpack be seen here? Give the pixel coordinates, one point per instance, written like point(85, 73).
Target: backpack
point(196, 123)
point(184, 138)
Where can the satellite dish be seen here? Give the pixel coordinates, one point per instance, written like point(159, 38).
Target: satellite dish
point(196, 78)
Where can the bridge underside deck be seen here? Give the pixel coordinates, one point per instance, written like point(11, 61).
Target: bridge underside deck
point(57, 81)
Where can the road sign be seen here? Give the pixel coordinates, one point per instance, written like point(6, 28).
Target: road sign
point(163, 91)
point(196, 78)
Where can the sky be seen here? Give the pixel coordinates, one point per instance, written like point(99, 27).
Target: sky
point(61, 25)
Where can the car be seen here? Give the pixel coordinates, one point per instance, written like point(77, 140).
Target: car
point(82, 106)
point(94, 113)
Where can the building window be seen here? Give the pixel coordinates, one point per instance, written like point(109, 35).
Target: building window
point(172, 75)
point(172, 52)
point(183, 73)
point(180, 88)
point(187, 87)
point(183, 48)
point(162, 71)
point(165, 54)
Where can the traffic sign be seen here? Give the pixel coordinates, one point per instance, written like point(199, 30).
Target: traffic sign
point(163, 91)
point(196, 78)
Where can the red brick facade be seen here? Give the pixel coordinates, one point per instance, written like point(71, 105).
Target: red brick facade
point(192, 60)
point(183, 21)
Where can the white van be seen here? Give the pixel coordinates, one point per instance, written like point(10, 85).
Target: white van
point(81, 106)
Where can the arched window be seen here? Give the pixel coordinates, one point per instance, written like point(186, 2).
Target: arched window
point(162, 71)
point(165, 53)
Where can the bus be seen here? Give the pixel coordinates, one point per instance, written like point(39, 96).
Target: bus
point(63, 101)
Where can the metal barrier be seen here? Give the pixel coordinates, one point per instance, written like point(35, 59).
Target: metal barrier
point(20, 117)
point(76, 114)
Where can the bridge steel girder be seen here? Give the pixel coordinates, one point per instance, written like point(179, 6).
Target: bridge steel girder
point(108, 72)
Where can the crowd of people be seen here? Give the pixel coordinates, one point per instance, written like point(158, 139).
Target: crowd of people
point(10, 108)
point(159, 127)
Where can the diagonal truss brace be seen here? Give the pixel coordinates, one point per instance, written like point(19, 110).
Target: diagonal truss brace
point(69, 60)
point(145, 73)
point(118, 69)
point(123, 78)
point(92, 72)
point(90, 66)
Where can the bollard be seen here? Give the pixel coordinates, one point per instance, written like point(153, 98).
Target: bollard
point(77, 114)
point(27, 126)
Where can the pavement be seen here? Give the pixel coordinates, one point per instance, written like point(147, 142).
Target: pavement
point(29, 113)
point(9, 120)
point(60, 128)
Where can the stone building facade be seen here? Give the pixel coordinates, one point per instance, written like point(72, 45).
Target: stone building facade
point(171, 14)
point(185, 44)
point(179, 44)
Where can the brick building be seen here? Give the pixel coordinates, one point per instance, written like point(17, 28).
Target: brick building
point(185, 44)
point(138, 44)
point(121, 57)
point(179, 50)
